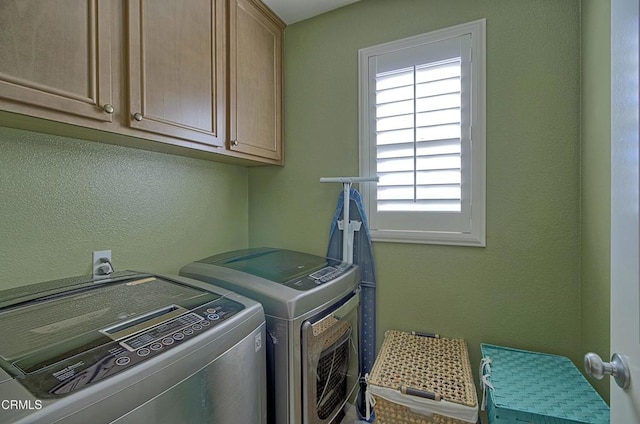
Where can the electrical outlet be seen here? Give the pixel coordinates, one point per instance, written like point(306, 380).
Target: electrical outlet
point(98, 266)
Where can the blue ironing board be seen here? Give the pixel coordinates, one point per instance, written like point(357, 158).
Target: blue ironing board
point(363, 257)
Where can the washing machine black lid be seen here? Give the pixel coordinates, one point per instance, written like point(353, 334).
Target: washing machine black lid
point(287, 283)
point(278, 265)
point(50, 322)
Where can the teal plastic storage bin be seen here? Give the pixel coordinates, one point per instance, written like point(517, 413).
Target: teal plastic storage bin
point(537, 388)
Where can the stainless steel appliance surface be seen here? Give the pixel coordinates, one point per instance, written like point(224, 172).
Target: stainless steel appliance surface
point(311, 306)
point(131, 348)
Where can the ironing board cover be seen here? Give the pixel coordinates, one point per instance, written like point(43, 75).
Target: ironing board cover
point(363, 257)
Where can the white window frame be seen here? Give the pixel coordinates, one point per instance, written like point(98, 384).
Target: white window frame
point(434, 227)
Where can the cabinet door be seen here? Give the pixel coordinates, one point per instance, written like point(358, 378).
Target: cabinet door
point(255, 80)
point(55, 58)
point(177, 69)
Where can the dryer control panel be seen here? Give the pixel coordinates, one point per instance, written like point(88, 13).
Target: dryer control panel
point(322, 276)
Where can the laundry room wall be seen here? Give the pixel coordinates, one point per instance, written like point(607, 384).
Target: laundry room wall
point(523, 288)
point(595, 181)
point(62, 198)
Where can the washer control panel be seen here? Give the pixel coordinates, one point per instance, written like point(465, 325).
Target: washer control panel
point(103, 361)
point(165, 331)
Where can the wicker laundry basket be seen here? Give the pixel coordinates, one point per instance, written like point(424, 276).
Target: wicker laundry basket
point(434, 374)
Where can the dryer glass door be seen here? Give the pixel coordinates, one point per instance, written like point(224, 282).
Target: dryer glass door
point(330, 362)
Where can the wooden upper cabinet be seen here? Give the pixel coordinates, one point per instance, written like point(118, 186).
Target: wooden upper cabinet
point(55, 58)
point(176, 79)
point(184, 77)
point(255, 80)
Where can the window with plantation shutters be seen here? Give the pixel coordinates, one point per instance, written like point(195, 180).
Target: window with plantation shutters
point(418, 122)
point(422, 134)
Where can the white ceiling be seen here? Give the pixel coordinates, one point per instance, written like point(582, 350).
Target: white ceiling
point(292, 11)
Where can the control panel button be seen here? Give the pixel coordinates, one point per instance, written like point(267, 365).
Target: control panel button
point(143, 352)
point(123, 360)
point(196, 327)
point(213, 317)
point(187, 331)
point(178, 336)
point(205, 323)
point(212, 310)
point(156, 346)
point(167, 341)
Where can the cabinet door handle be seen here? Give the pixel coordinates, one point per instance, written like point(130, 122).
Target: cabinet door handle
point(137, 116)
point(108, 108)
point(234, 142)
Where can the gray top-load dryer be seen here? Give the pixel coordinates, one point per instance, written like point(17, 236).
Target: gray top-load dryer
point(311, 307)
point(131, 348)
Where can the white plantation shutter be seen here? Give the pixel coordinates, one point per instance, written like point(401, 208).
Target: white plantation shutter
point(418, 138)
point(419, 97)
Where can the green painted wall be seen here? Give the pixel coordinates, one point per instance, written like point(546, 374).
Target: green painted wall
point(60, 199)
point(541, 283)
point(522, 290)
point(596, 181)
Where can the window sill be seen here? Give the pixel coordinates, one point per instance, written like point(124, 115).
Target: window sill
point(429, 237)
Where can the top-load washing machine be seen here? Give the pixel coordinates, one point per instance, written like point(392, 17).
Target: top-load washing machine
point(131, 348)
point(311, 306)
